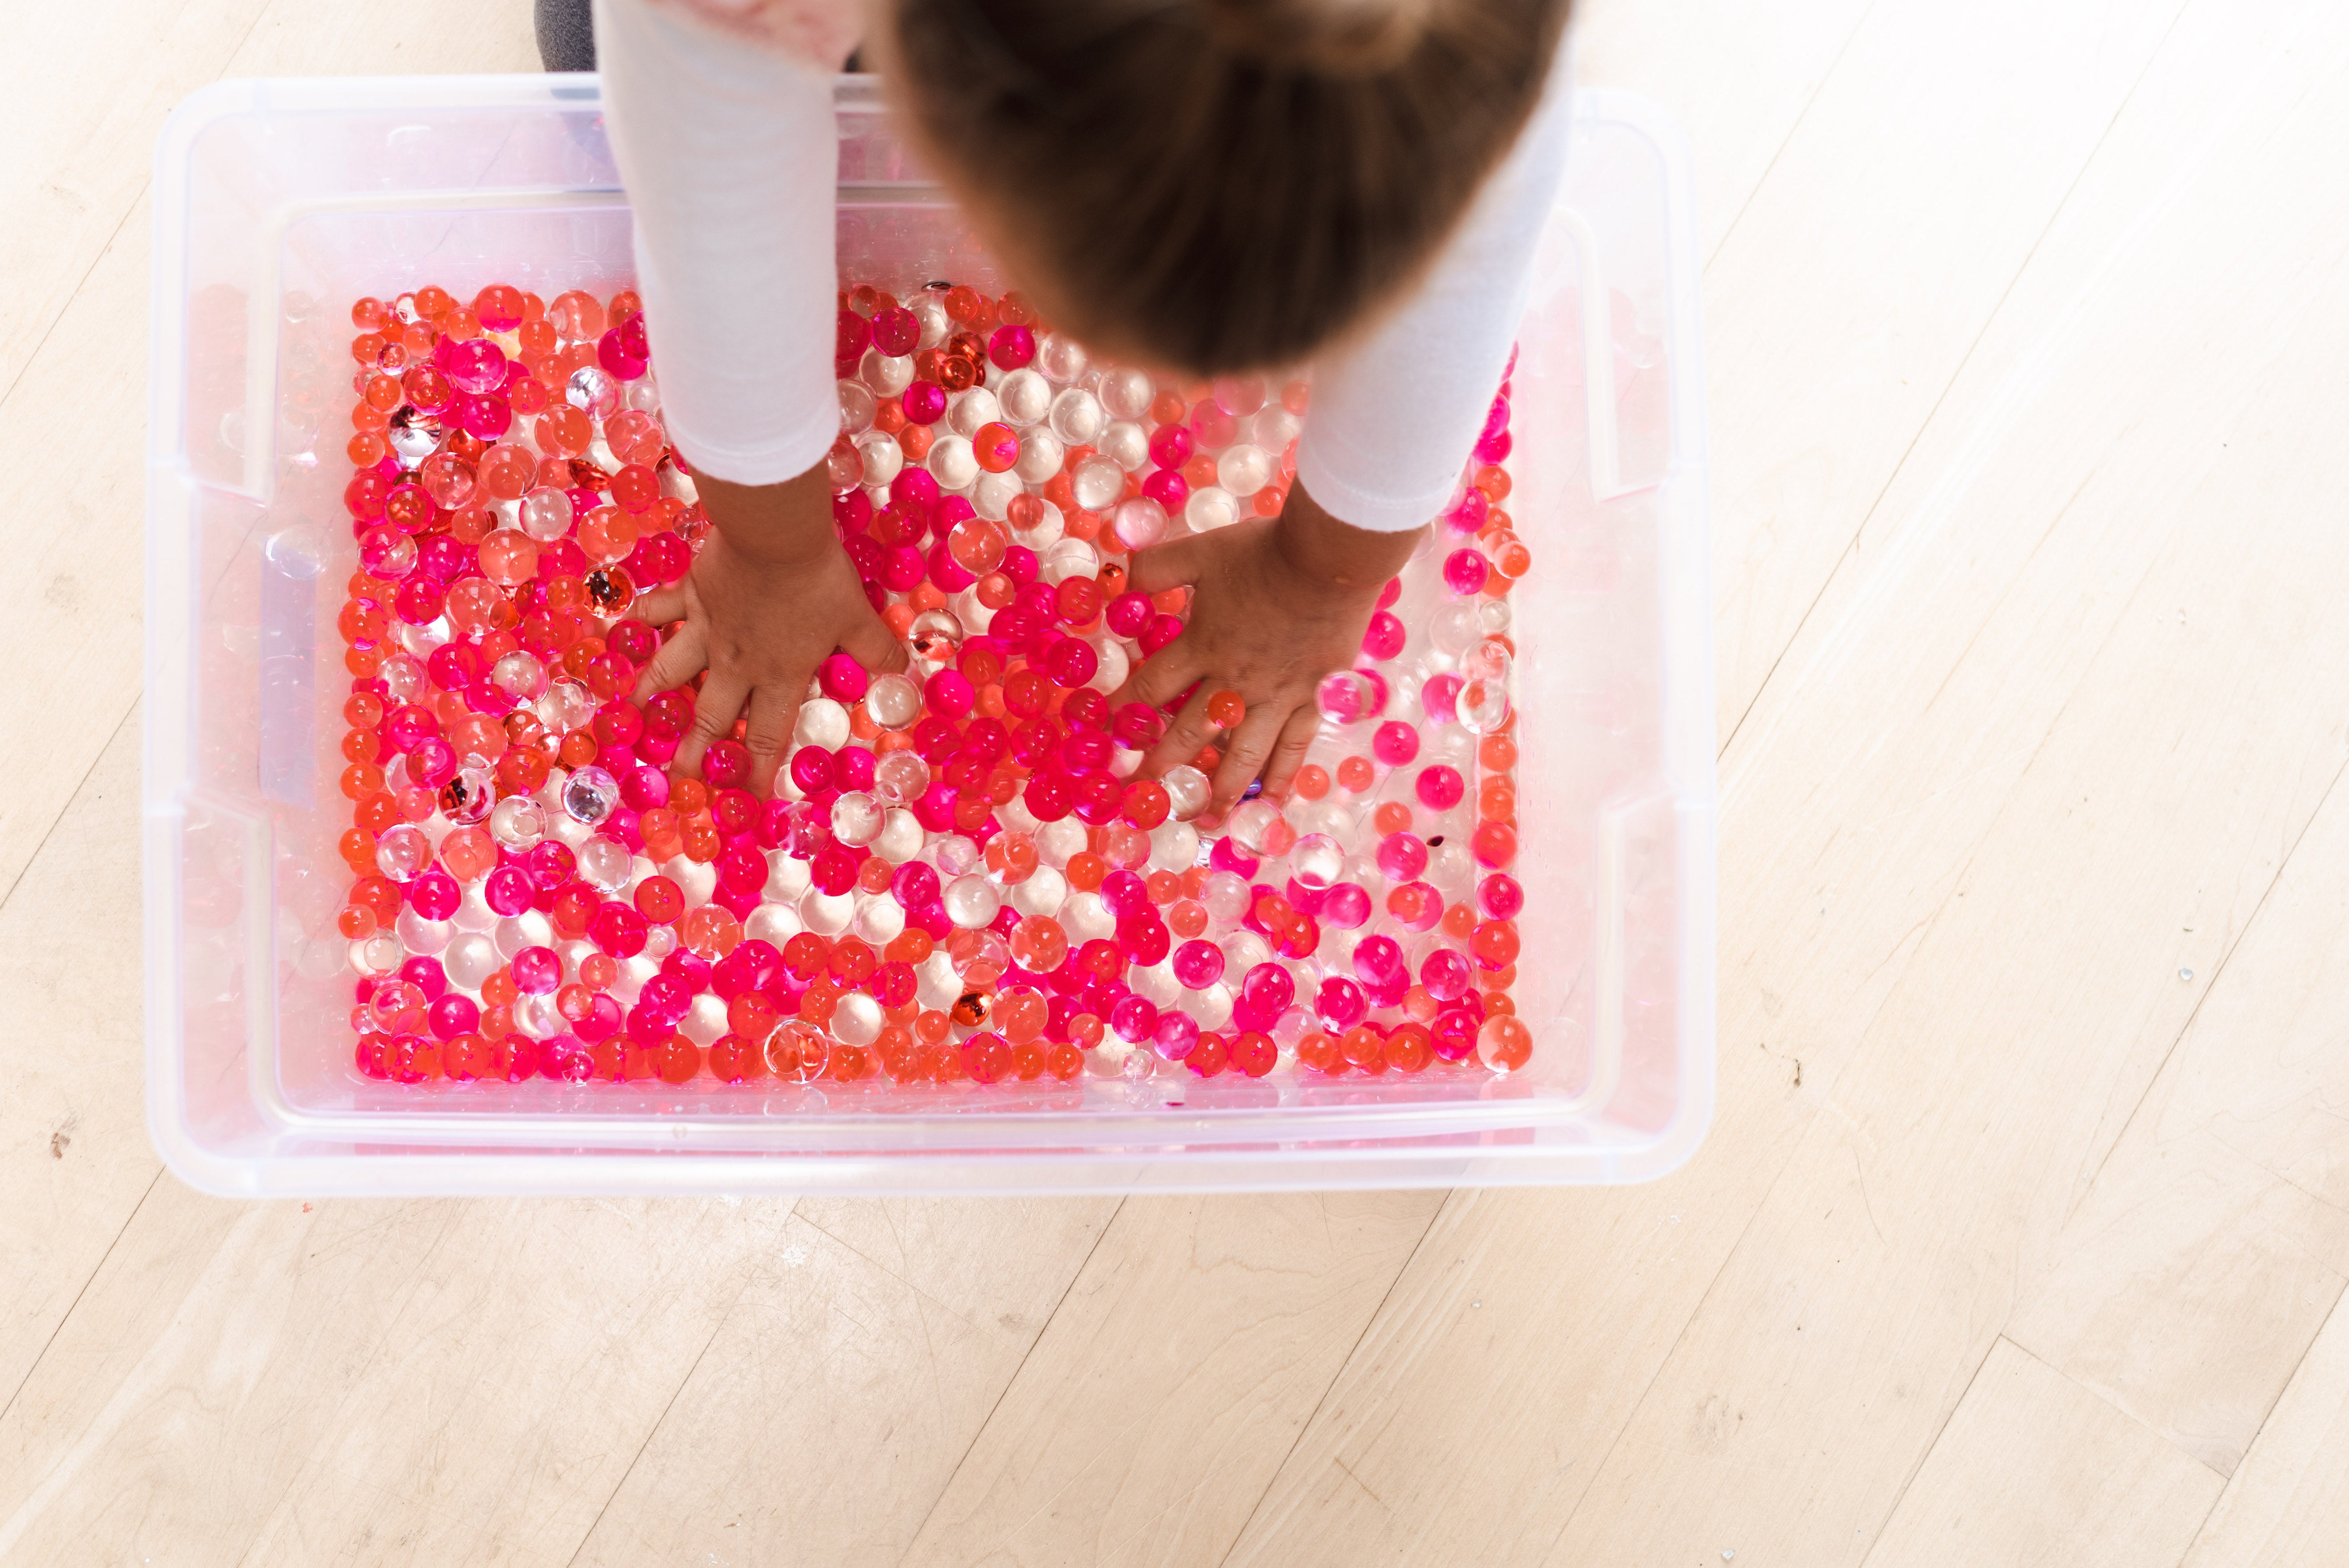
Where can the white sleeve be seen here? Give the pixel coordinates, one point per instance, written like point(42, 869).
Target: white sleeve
point(1395, 414)
point(730, 156)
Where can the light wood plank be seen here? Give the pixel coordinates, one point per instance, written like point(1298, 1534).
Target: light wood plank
point(847, 1382)
point(1199, 1338)
point(2033, 1469)
point(2288, 1505)
point(365, 1382)
point(1992, 928)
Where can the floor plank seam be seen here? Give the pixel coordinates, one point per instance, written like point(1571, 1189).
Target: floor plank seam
point(71, 796)
point(1046, 1327)
point(64, 1317)
point(1272, 1476)
point(652, 1431)
point(1956, 375)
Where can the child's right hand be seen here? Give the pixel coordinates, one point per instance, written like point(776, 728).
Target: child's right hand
point(770, 595)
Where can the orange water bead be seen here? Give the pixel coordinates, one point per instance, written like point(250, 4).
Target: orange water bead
point(1505, 1043)
point(564, 431)
point(1186, 918)
point(469, 853)
point(676, 1060)
point(1020, 1014)
point(1391, 817)
point(1496, 799)
point(711, 930)
point(1407, 1050)
point(910, 945)
point(1085, 1031)
point(874, 876)
point(1011, 858)
point(1312, 782)
point(1496, 753)
point(1165, 887)
point(932, 1027)
point(608, 535)
point(1494, 944)
point(1459, 921)
point(663, 833)
point(356, 922)
point(1355, 774)
point(1086, 869)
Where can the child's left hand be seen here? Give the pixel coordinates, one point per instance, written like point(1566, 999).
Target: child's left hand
point(1278, 605)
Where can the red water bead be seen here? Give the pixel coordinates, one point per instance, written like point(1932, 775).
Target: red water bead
point(1011, 345)
point(636, 488)
point(1146, 803)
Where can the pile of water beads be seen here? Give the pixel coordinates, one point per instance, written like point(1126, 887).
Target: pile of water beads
point(958, 876)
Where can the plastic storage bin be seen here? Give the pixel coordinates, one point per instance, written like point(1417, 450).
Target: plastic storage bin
point(278, 203)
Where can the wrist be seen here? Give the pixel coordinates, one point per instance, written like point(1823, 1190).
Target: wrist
point(1336, 554)
point(785, 525)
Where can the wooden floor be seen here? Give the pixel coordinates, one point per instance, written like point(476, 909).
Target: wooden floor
point(2022, 1232)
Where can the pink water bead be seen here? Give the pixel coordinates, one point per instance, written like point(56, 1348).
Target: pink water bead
point(1464, 570)
point(1394, 743)
point(1440, 698)
point(924, 403)
point(949, 695)
point(537, 971)
point(843, 677)
point(1403, 857)
point(1130, 614)
point(1383, 638)
point(1171, 447)
point(1446, 975)
point(1441, 787)
point(1011, 347)
point(1198, 965)
point(1501, 896)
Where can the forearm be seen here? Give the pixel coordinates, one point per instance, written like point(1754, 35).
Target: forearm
point(1322, 549)
point(785, 523)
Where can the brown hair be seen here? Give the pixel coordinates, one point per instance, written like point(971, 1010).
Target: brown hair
point(1221, 184)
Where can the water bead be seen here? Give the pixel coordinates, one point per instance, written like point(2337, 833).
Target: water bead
point(589, 795)
point(1483, 706)
point(857, 818)
point(1023, 397)
point(1243, 469)
point(971, 901)
point(1344, 697)
point(1140, 523)
point(1097, 483)
point(1210, 509)
point(1124, 443)
point(1440, 788)
point(1226, 710)
point(1077, 417)
point(1394, 743)
point(1464, 570)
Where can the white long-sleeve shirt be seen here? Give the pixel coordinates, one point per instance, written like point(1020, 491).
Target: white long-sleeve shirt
point(730, 152)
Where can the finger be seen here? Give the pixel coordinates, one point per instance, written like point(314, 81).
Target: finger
point(675, 662)
point(1173, 565)
point(1246, 757)
point(1289, 751)
point(714, 713)
point(875, 646)
point(774, 713)
point(660, 607)
point(1160, 678)
point(1191, 730)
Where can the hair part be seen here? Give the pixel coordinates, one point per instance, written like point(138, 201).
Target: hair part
point(1221, 184)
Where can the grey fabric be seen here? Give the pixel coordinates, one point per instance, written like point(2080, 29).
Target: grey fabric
point(567, 36)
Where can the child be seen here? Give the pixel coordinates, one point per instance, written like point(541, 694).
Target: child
point(1206, 186)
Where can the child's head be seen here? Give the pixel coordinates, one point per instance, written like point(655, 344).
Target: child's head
point(1213, 185)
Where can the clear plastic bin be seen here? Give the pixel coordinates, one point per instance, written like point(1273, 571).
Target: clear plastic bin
point(278, 203)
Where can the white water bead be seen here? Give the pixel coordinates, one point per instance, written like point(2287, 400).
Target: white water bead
point(1316, 860)
point(1174, 847)
point(1097, 482)
point(971, 901)
point(1126, 444)
point(538, 1017)
point(1077, 417)
point(1042, 893)
point(1273, 427)
point(774, 924)
point(1226, 898)
point(1210, 1008)
point(857, 407)
point(894, 701)
point(936, 984)
point(704, 1022)
point(1126, 392)
point(930, 310)
point(1022, 398)
point(1061, 358)
point(1139, 523)
point(787, 878)
point(573, 953)
point(972, 409)
point(901, 837)
point(1040, 454)
point(531, 928)
point(1056, 841)
point(634, 972)
point(1155, 983)
point(991, 495)
point(604, 864)
point(879, 918)
point(696, 879)
point(1048, 529)
point(954, 854)
point(660, 941)
point(471, 960)
point(1187, 791)
point(952, 463)
point(1243, 469)
point(421, 935)
point(1210, 507)
point(881, 456)
point(473, 911)
point(1016, 817)
point(822, 722)
point(858, 819)
point(827, 913)
point(856, 1020)
point(1066, 559)
point(1109, 674)
point(886, 373)
point(1087, 917)
point(1243, 950)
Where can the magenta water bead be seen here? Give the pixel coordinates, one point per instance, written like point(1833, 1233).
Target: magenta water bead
point(843, 677)
point(507, 890)
point(1198, 965)
point(1464, 571)
point(1131, 614)
point(537, 971)
point(1383, 638)
point(1501, 896)
point(1401, 857)
point(1446, 975)
point(1394, 743)
point(1440, 788)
